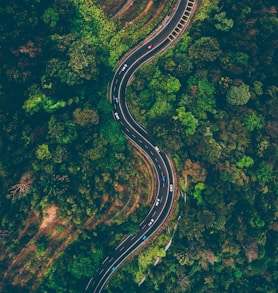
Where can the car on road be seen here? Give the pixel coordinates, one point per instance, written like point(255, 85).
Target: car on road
point(124, 67)
point(113, 269)
point(163, 179)
point(151, 222)
point(144, 237)
point(117, 100)
point(171, 187)
point(117, 116)
point(157, 201)
point(157, 149)
point(150, 47)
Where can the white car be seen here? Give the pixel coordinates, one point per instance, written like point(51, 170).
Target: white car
point(151, 222)
point(157, 202)
point(117, 116)
point(124, 67)
point(157, 149)
point(171, 187)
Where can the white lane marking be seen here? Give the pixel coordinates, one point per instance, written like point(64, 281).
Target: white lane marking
point(154, 214)
point(133, 237)
point(105, 260)
point(146, 146)
point(159, 166)
point(110, 260)
point(122, 248)
point(127, 130)
point(151, 152)
point(144, 226)
point(101, 271)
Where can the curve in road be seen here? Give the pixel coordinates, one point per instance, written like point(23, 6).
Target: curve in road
point(139, 136)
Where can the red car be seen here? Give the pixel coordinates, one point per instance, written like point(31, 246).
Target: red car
point(150, 47)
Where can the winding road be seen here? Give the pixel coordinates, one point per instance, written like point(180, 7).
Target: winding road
point(139, 136)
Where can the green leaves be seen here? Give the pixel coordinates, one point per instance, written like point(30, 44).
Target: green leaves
point(186, 119)
point(85, 117)
point(252, 122)
point(38, 101)
point(43, 152)
point(83, 59)
point(205, 49)
point(160, 108)
point(245, 162)
point(222, 23)
point(198, 188)
point(50, 17)
point(62, 132)
point(238, 95)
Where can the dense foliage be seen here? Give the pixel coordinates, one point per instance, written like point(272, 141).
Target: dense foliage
point(210, 103)
point(60, 148)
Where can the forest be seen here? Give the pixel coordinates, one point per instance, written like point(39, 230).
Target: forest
point(72, 186)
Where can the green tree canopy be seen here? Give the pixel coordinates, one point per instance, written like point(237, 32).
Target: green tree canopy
point(205, 49)
point(222, 22)
point(85, 117)
point(238, 95)
point(186, 119)
point(43, 152)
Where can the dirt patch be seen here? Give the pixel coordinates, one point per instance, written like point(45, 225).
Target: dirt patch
point(50, 216)
point(125, 8)
point(119, 188)
point(24, 265)
point(144, 12)
point(134, 206)
point(105, 199)
point(32, 221)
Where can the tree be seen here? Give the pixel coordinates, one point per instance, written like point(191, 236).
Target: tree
point(252, 122)
point(39, 101)
point(83, 60)
point(54, 185)
point(258, 87)
point(43, 152)
point(22, 188)
point(238, 95)
point(196, 172)
point(206, 49)
point(210, 149)
point(245, 162)
point(186, 119)
point(85, 117)
point(264, 173)
point(197, 194)
point(64, 132)
point(50, 17)
point(160, 108)
point(235, 175)
point(59, 69)
point(184, 65)
point(222, 23)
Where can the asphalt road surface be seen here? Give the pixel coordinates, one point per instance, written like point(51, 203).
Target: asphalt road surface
point(133, 131)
